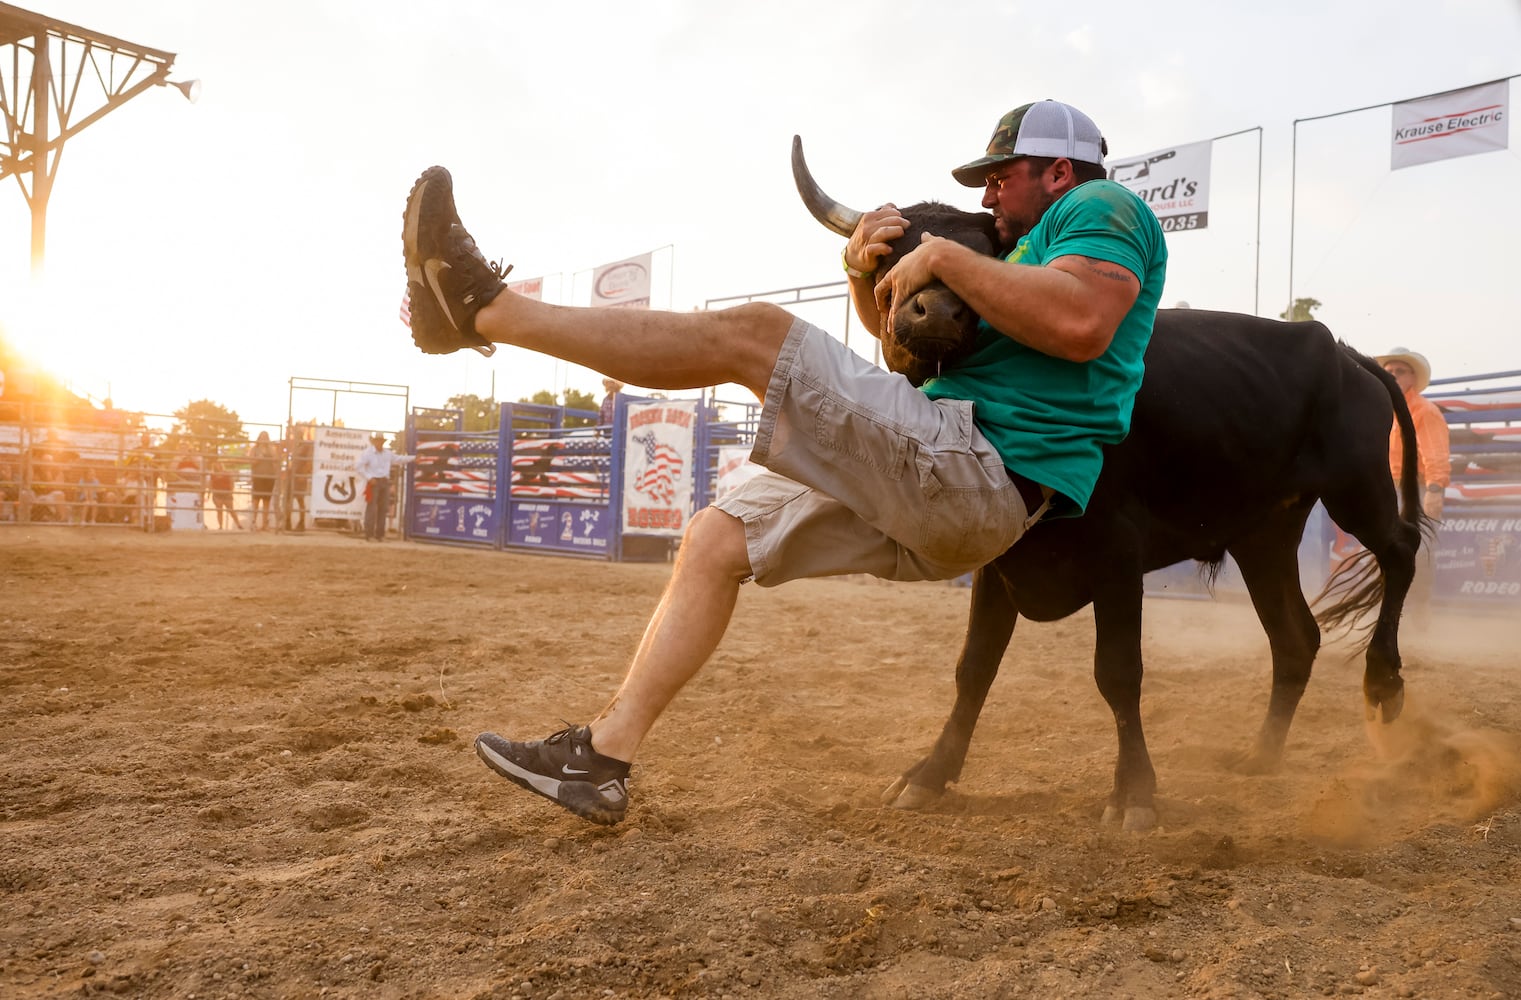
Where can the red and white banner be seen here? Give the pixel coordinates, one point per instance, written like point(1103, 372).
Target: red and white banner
point(734, 469)
point(624, 283)
point(1174, 182)
point(1457, 123)
point(533, 288)
point(657, 467)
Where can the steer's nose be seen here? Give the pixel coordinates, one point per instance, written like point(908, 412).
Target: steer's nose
point(936, 307)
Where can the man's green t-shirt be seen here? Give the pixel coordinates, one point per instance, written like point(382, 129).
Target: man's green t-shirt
point(1050, 418)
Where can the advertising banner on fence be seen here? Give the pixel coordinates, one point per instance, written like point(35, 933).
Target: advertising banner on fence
point(624, 283)
point(734, 469)
point(456, 518)
point(335, 485)
point(533, 288)
point(564, 527)
point(1457, 123)
point(657, 467)
point(1174, 182)
point(1478, 555)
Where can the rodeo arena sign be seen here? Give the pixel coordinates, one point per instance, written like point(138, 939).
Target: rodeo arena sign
point(1174, 182)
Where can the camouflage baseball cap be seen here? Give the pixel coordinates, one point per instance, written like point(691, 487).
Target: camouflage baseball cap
point(1045, 128)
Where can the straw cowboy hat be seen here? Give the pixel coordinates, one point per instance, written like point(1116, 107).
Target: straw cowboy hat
point(1417, 363)
point(611, 384)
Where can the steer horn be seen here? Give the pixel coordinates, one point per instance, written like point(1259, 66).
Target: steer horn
point(832, 214)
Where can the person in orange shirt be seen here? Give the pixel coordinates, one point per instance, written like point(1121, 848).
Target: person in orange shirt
point(1413, 373)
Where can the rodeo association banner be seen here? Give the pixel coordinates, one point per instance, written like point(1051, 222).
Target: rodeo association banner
point(1174, 182)
point(1457, 123)
point(657, 467)
point(335, 485)
point(625, 283)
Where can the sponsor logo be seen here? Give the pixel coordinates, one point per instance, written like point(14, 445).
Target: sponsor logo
point(621, 279)
point(339, 490)
point(433, 267)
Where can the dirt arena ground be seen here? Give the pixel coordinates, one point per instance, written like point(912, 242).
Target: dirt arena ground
point(240, 766)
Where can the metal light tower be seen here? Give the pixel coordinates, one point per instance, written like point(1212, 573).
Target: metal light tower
point(57, 74)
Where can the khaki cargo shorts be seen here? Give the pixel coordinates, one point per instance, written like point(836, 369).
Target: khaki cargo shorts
point(868, 475)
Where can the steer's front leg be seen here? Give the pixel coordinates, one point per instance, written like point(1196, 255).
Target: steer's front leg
point(990, 624)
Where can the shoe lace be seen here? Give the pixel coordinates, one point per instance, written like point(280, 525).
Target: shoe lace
point(468, 244)
point(565, 735)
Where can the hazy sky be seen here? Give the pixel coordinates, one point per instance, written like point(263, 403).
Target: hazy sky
point(217, 250)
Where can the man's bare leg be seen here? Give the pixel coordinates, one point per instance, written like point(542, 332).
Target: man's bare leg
point(687, 625)
point(586, 770)
point(658, 350)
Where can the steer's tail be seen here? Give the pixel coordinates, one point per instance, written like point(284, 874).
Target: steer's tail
point(1357, 586)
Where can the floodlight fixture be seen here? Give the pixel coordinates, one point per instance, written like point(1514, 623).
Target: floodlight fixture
point(190, 88)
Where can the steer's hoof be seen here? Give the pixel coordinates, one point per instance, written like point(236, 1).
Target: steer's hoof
point(1387, 710)
point(1134, 819)
point(902, 795)
point(1256, 761)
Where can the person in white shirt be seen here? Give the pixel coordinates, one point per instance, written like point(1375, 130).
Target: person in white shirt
point(374, 468)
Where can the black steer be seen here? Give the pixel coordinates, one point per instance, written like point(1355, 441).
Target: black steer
point(1240, 426)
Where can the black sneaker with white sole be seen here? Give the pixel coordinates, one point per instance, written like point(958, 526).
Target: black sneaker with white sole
point(563, 768)
point(448, 279)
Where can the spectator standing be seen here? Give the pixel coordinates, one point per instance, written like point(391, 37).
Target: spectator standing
point(264, 469)
point(1413, 372)
point(142, 480)
point(220, 481)
point(374, 468)
point(609, 401)
point(89, 495)
point(299, 465)
point(9, 489)
point(185, 486)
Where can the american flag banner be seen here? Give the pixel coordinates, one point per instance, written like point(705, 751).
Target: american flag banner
point(458, 467)
point(657, 466)
point(660, 471)
point(406, 309)
point(734, 468)
point(573, 467)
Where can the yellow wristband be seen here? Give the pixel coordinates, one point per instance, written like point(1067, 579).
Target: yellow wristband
point(850, 270)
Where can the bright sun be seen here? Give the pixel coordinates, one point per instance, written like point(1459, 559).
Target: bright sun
point(41, 326)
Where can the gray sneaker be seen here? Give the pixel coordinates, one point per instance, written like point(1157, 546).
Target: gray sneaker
point(564, 768)
point(448, 279)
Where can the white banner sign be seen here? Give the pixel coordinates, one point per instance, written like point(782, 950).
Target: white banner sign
point(533, 288)
point(625, 283)
point(1174, 182)
point(1457, 123)
point(734, 469)
point(336, 491)
point(657, 467)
